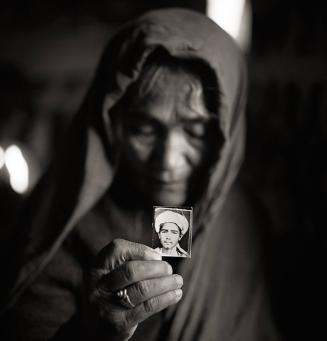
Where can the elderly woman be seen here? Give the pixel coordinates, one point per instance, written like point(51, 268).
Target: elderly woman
point(162, 124)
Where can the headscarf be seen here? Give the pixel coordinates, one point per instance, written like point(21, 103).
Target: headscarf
point(84, 168)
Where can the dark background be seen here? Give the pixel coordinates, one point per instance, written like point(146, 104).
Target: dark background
point(48, 53)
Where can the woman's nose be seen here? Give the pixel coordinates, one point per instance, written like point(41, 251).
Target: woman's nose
point(172, 151)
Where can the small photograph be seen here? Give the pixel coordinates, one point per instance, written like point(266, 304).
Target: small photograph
point(172, 231)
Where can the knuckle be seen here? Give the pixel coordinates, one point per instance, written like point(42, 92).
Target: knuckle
point(99, 299)
point(141, 249)
point(118, 247)
point(110, 251)
point(117, 243)
point(151, 304)
point(119, 323)
point(143, 288)
point(129, 272)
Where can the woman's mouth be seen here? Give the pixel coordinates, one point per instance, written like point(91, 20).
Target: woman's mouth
point(167, 181)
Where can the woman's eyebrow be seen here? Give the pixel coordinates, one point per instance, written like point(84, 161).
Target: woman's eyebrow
point(143, 116)
point(187, 113)
point(195, 120)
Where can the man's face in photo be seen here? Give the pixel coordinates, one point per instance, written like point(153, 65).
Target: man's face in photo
point(169, 235)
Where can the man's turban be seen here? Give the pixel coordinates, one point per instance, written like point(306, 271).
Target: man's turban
point(171, 217)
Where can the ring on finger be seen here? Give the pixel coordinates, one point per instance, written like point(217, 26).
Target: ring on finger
point(124, 298)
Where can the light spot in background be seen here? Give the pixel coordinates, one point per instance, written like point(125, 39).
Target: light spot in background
point(2, 157)
point(234, 16)
point(17, 168)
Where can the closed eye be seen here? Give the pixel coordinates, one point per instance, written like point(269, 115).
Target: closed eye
point(196, 129)
point(140, 124)
point(142, 129)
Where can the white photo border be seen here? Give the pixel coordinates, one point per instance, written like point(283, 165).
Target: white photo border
point(188, 216)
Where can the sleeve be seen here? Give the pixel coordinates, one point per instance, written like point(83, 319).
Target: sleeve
point(255, 321)
point(53, 300)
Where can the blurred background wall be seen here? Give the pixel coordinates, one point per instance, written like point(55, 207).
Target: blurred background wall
point(48, 53)
point(286, 162)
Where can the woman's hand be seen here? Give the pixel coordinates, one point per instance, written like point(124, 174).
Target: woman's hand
point(149, 283)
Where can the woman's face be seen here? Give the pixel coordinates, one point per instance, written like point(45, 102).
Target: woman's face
point(169, 235)
point(165, 137)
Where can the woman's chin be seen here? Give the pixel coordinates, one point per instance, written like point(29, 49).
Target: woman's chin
point(168, 199)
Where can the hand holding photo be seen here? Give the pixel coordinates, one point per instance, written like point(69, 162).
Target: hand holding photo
point(172, 231)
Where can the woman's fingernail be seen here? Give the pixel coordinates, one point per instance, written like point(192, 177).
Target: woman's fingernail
point(169, 268)
point(179, 293)
point(179, 280)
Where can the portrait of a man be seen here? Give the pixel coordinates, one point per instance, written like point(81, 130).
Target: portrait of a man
point(171, 225)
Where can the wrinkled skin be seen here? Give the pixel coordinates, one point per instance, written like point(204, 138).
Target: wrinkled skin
point(150, 284)
point(165, 138)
